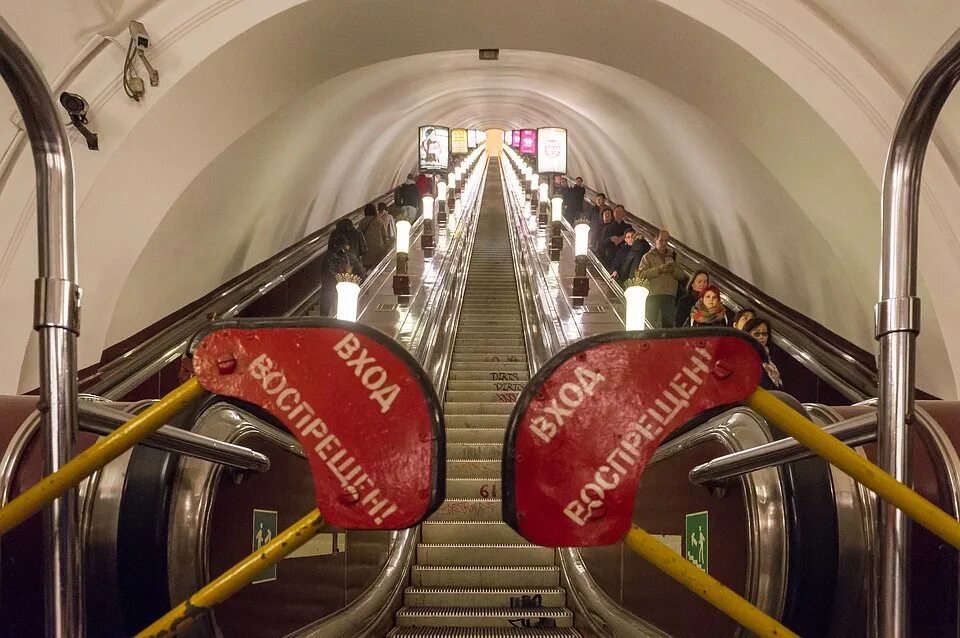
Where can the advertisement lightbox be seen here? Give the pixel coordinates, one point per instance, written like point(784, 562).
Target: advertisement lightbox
point(528, 141)
point(515, 142)
point(551, 150)
point(434, 149)
point(507, 137)
point(458, 141)
point(472, 138)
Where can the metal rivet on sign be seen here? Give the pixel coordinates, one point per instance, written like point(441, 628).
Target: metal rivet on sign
point(721, 371)
point(348, 498)
point(226, 364)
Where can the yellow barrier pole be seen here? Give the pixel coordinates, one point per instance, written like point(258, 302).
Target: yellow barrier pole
point(863, 471)
point(235, 578)
point(96, 456)
point(704, 585)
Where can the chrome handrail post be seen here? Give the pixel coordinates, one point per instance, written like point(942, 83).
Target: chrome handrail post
point(56, 318)
point(898, 320)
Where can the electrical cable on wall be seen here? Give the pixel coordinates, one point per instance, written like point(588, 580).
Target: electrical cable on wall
point(133, 84)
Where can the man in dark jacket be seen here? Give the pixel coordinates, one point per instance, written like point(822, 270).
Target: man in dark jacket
point(612, 236)
point(408, 198)
point(606, 219)
point(594, 214)
point(573, 201)
point(628, 257)
point(338, 259)
point(345, 228)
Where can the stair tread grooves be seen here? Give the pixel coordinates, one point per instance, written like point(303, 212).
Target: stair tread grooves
point(482, 632)
point(495, 568)
point(543, 612)
point(415, 589)
point(485, 545)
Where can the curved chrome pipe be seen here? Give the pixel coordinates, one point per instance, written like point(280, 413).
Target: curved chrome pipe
point(602, 613)
point(544, 339)
point(898, 318)
point(431, 343)
point(369, 612)
point(56, 317)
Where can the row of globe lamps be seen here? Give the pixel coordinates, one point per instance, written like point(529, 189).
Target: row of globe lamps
point(534, 195)
point(447, 199)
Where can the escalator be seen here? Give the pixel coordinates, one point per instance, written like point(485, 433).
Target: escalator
point(474, 576)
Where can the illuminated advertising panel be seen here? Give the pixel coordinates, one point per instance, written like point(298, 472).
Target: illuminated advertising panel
point(472, 138)
point(458, 141)
point(507, 137)
point(434, 149)
point(515, 141)
point(551, 150)
point(528, 141)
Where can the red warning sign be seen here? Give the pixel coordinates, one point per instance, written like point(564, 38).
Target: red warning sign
point(588, 422)
point(363, 409)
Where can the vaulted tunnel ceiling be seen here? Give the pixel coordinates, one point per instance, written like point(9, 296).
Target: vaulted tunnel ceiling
point(289, 117)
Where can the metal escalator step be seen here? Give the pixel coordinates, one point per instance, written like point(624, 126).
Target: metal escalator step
point(473, 407)
point(469, 532)
point(482, 632)
point(474, 451)
point(482, 554)
point(489, 386)
point(464, 348)
point(473, 469)
point(521, 376)
point(469, 509)
point(475, 435)
point(491, 321)
point(482, 396)
point(473, 487)
point(493, 340)
point(467, 357)
point(481, 616)
point(489, 366)
point(476, 420)
point(474, 576)
point(479, 597)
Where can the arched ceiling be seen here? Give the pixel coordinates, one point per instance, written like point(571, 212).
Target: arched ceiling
point(271, 119)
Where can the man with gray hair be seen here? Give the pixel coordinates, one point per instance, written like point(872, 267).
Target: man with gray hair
point(662, 274)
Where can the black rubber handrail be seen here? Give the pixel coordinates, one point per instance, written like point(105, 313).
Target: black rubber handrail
point(156, 350)
point(841, 362)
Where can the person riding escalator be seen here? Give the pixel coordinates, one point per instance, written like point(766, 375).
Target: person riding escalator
point(338, 260)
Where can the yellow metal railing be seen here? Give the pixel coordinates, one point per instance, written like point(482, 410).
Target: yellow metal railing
point(830, 449)
point(235, 578)
point(96, 456)
point(702, 584)
point(860, 469)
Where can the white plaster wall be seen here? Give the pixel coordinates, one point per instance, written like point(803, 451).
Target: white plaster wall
point(755, 130)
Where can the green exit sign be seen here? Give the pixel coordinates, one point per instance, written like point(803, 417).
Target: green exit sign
point(697, 540)
point(265, 528)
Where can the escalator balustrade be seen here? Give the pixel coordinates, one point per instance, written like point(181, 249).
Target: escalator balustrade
point(474, 576)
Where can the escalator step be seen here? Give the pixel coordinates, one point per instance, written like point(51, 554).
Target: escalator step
point(469, 532)
point(484, 554)
point(473, 488)
point(477, 597)
point(480, 616)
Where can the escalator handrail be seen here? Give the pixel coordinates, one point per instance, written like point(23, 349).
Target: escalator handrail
point(590, 602)
point(128, 370)
point(850, 368)
point(433, 349)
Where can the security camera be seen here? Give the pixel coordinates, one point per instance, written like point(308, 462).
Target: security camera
point(138, 33)
point(140, 40)
point(76, 108)
point(75, 105)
